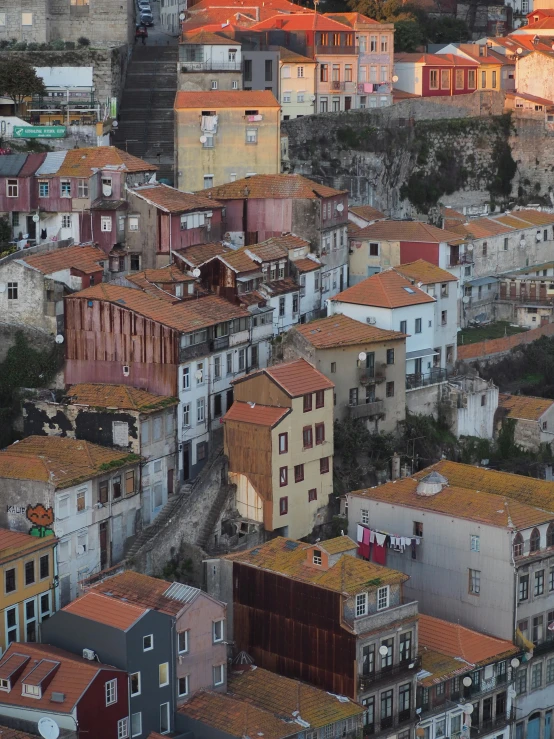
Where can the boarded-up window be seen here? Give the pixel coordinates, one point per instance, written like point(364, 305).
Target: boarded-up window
point(157, 429)
point(120, 433)
point(103, 492)
point(129, 482)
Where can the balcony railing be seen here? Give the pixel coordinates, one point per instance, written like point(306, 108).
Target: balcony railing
point(370, 375)
point(544, 646)
point(211, 66)
point(337, 85)
point(222, 342)
point(422, 380)
point(485, 686)
point(366, 410)
point(191, 352)
point(367, 682)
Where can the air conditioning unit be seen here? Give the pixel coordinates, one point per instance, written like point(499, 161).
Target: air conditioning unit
point(89, 654)
point(371, 320)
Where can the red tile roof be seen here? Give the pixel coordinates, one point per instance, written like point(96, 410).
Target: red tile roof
point(298, 378)
point(384, 290)
point(124, 397)
point(83, 162)
point(141, 590)
point(523, 406)
point(6, 733)
point(444, 60)
point(243, 5)
point(72, 678)
point(306, 265)
point(15, 544)
point(425, 272)
point(185, 317)
point(340, 330)
point(274, 186)
point(498, 346)
point(58, 460)
point(84, 258)
point(199, 254)
point(171, 200)
point(286, 55)
point(260, 415)
point(226, 99)
point(309, 21)
point(352, 19)
point(199, 36)
point(457, 641)
point(367, 212)
point(405, 231)
point(105, 610)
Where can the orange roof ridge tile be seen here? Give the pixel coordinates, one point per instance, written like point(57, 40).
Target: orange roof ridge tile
point(225, 99)
point(524, 407)
point(340, 330)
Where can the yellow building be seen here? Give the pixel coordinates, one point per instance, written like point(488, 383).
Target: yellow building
point(28, 593)
point(279, 442)
point(297, 86)
point(491, 63)
point(222, 136)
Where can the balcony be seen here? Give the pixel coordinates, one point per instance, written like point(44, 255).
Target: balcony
point(485, 686)
point(371, 375)
point(366, 410)
point(222, 342)
point(389, 674)
point(191, 352)
point(211, 66)
point(544, 647)
point(337, 86)
point(430, 378)
point(382, 619)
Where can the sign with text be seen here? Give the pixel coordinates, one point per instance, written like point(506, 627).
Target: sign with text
point(38, 132)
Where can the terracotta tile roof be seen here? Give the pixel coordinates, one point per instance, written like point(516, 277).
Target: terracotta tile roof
point(273, 186)
point(402, 95)
point(157, 282)
point(72, 678)
point(253, 298)
point(531, 98)
point(284, 696)
point(289, 558)
point(353, 229)
point(527, 491)
point(306, 265)
point(106, 610)
point(14, 544)
point(307, 21)
point(186, 316)
point(226, 99)
point(83, 162)
point(511, 220)
point(84, 258)
point(208, 38)
point(142, 590)
point(59, 460)
point(405, 231)
point(496, 346)
point(444, 60)
point(241, 4)
point(236, 717)
point(291, 57)
point(124, 397)
point(340, 330)
point(297, 378)
point(199, 254)
point(280, 287)
point(523, 406)
point(170, 200)
point(352, 19)
point(239, 261)
point(338, 545)
point(536, 217)
point(440, 666)
point(454, 640)
point(425, 272)
point(384, 290)
point(6, 733)
point(261, 415)
point(367, 212)
point(278, 247)
point(460, 498)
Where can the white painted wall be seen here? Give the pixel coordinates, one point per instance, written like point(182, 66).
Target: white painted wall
point(410, 77)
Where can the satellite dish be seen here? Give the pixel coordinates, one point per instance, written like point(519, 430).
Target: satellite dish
point(362, 356)
point(470, 247)
point(383, 650)
point(340, 207)
point(467, 681)
point(59, 339)
point(203, 139)
point(198, 375)
point(512, 692)
point(465, 299)
point(48, 728)
point(519, 50)
point(312, 98)
point(196, 272)
point(115, 124)
point(36, 218)
point(468, 708)
point(80, 549)
point(395, 78)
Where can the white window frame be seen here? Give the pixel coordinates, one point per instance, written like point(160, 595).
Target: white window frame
point(110, 687)
point(123, 728)
point(66, 221)
point(63, 499)
point(165, 706)
point(216, 639)
point(105, 224)
point(361, 605)
point(200, 410)
point(185, 384)
point(139, 732)
point(186, 649)
point(475, 543)
point(186, 678)
point(383, 597)
point(133, 223)
point(160, 683)
point(364, 516)
point(131, 694)
point(221, 669)
point(151, 637)
point(16, 627)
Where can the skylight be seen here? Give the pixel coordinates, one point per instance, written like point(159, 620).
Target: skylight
point(409, 290)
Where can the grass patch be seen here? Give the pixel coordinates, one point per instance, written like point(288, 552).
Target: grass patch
point(492, 331)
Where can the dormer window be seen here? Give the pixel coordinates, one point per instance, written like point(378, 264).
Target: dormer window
point(5, 685)
point(361, 605)
point(317, 557)
point(31, 691)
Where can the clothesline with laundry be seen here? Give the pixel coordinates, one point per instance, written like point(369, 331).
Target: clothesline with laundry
point(372, 543)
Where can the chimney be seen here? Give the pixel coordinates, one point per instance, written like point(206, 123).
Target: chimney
point(395, 466)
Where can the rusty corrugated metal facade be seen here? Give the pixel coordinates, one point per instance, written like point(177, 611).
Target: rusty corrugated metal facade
point(293, 628)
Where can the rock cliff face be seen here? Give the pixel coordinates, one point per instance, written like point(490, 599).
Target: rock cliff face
point(404, 159)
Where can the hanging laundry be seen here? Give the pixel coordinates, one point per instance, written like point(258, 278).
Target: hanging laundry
point(43, 233)
point(209, 123)
point(371, 537)
point(365, 547)
point(359, 533)
point(380, 538)
point(379, 554)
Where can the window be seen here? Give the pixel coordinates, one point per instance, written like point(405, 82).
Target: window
point(521, 681)
point(65, 188)
point(539, 583)
point(283, 443)
point(219, 675)
point(474, 543)
point(518, 545)
point(43, 189)
point(248, 70)
point(208, 181)
point(535, 541)
point(251, 135)
point(406, 646)
point(319, 433)
point(66, 221)
point(384, 44)
point(364, 516)
point(13, 291)
point(417, 326)
point(474, 582)
point(269, 70)
point(307, 402)
point(136, 724)
point(82, 188)
point(390, 389)
point(44, 566)
point(320, 399)
point(312, 495)
point(323, 465)
point(390, 356)
point(29, 572)
point(200, 410)
point(12, 188)
point(283, 506)
point(353, 396)
point(444, 317)
point(163, 674)
point(217, 631)
point(324, 73)
point(286, 72)
point(333, 367)
point(434, 79)
point(9, 580)
point(135, 683)
point(299, 473)
point(111, 692)
point(386, 708)
point(536, 676)
point(283, 476)
point(129, 482)
point(281, 307)
point(374, 250)
point(105, 223)
point(523, 587)
point(123, 728)
point(506, 244)
point(183, 641)
point(147, 643)
point(537, 635)
point(183, 686)
point(361, 604)
point(551, 579)
point(164, 718)
point(383, 598)
point(404, 701)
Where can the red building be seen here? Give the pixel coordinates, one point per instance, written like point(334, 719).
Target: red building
point(18, 197)
point(431, 75)
point(84, 698)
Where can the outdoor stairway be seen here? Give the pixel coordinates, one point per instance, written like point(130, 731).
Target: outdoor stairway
point(213, 515)
point(162, 519)
point(146, 111)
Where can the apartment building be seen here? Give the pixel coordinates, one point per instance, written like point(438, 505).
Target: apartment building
point(431, 75)
point(297, 84)
point(483, 561)
point(117, 416)
point(279, 442)
point(222, 136)
point(88, 495)
point(209, 61)
point(359, 632)
point(30, 593)
point(360, 360)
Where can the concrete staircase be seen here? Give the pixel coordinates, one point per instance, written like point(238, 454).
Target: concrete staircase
point(213, 514)
point(146, 126)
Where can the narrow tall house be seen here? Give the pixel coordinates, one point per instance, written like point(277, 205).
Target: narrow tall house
point(279, 441)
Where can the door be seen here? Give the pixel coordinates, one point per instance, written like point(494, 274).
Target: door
point(503, 291)
point(31, 227)
point(186, 462)
point(532, 291)
point(533, 726)
point(544, 320)
point(542, 291)
point(65, 590)
point(117, 538)
point(347, 103)
point(341, 281)
point(418, 364)
point(170, 482)
point(217, 405)
point(512, 290)
point(229, 399)
point(103, 545)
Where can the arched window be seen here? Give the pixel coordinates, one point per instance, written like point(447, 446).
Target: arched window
point(518, 545)
point(535, 541)
point(550, 535)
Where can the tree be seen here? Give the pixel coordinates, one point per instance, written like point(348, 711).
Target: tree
point(5, 230)
point(408, 35)
point(18, 80)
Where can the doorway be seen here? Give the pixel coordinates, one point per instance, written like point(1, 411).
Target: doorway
point(170, 482)
point(229, 399)
point(186, 461)
point(347, 103)
point(103, 545)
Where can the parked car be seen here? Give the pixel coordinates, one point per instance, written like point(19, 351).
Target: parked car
point(147, 18)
